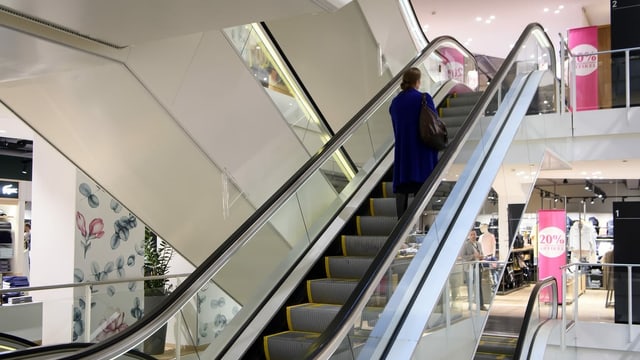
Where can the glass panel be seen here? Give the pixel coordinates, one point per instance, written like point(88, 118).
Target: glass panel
point(255, 48)
point(97, 314)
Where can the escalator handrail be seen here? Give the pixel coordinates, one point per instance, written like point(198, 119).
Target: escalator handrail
point(533, 298)
point(339, 327)
point(203, 273)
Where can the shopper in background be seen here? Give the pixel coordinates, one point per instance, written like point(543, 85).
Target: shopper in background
point(27, 236)
point(414, 161)
point(472, 251)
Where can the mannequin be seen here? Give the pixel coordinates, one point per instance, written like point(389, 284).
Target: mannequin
point(582, 242)
point(488, 241)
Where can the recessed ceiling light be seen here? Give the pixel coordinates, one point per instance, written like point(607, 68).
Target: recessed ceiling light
point(478, 18)
point(492, 17)
point(560, 7)
point(557, 12)
point(546, 10)
point(487, 21)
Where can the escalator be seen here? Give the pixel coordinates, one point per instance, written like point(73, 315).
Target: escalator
point(542, 306)
point(406, 280)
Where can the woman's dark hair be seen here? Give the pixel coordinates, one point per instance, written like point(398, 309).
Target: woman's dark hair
point(410, 78)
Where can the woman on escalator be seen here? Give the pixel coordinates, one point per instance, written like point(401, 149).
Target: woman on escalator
point(414, 161)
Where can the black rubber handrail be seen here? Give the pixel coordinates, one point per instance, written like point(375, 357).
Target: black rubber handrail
point(342, 322)
point(531, 305)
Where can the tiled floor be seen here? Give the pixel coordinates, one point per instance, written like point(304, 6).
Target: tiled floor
point(508, 310)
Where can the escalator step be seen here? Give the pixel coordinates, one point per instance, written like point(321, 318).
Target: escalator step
point(496, 347)
point(288, 345)
point(382, 206)
point(311, 317)
point(375, 225)
point(330, 291)
point(347, 267)
point(294, 344)
point(355, 245)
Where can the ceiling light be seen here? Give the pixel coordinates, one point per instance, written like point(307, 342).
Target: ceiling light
point(478, 18)
point(557, 12)
point(546, 10)
point(560, 7)
point(492, 17)
point(591, 200)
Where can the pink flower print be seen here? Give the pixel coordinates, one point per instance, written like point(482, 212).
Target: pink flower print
point(114, 325)
point(81, 224)
point(95, 228)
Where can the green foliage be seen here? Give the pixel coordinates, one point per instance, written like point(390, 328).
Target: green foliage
point(157, 256)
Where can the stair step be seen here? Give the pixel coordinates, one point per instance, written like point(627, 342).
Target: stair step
point(347, 267)
point(375, 225)
point(455, 111)
point(294, 344)
point(382, 206)
point(311, 317)
point(470, 98)
point(330, 291)
point(288, 345)
point(454, 121)
point(503, 346)
point(356, 245)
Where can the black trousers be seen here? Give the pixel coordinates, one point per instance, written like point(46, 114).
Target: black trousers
point(403, 193)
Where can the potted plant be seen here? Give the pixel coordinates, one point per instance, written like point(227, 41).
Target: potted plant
point(157, 258)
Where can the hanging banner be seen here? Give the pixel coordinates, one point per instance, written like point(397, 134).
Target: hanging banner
point(583, 43)
point(552, 247)
point(454, 63)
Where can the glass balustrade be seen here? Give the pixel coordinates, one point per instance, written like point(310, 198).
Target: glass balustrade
point(469, 284)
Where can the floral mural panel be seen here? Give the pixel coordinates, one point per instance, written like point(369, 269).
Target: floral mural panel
point(215, 310)
point(109, 245)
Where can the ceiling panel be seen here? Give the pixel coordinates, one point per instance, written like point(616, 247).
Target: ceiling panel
point(126, 22)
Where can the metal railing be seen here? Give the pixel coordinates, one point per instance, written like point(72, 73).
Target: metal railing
point(87, 293)
point(572, 60)
point(575, 271)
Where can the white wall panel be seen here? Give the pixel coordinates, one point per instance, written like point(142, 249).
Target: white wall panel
point(390, 31)
point(52, 238)
point(214, 97)
point(336, 57)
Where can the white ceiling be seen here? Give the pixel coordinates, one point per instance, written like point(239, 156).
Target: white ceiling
point(458, 19)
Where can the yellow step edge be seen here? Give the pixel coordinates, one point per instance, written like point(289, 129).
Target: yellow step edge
point(359, 231)
point(344, 245)
point(309, 291)
point(384, 189)
point(326, 266)
point(289, 323)
point(371, 210)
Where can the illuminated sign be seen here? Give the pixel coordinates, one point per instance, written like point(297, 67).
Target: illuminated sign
point(8, 189)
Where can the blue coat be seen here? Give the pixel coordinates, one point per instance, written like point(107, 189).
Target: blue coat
point(414, 161)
